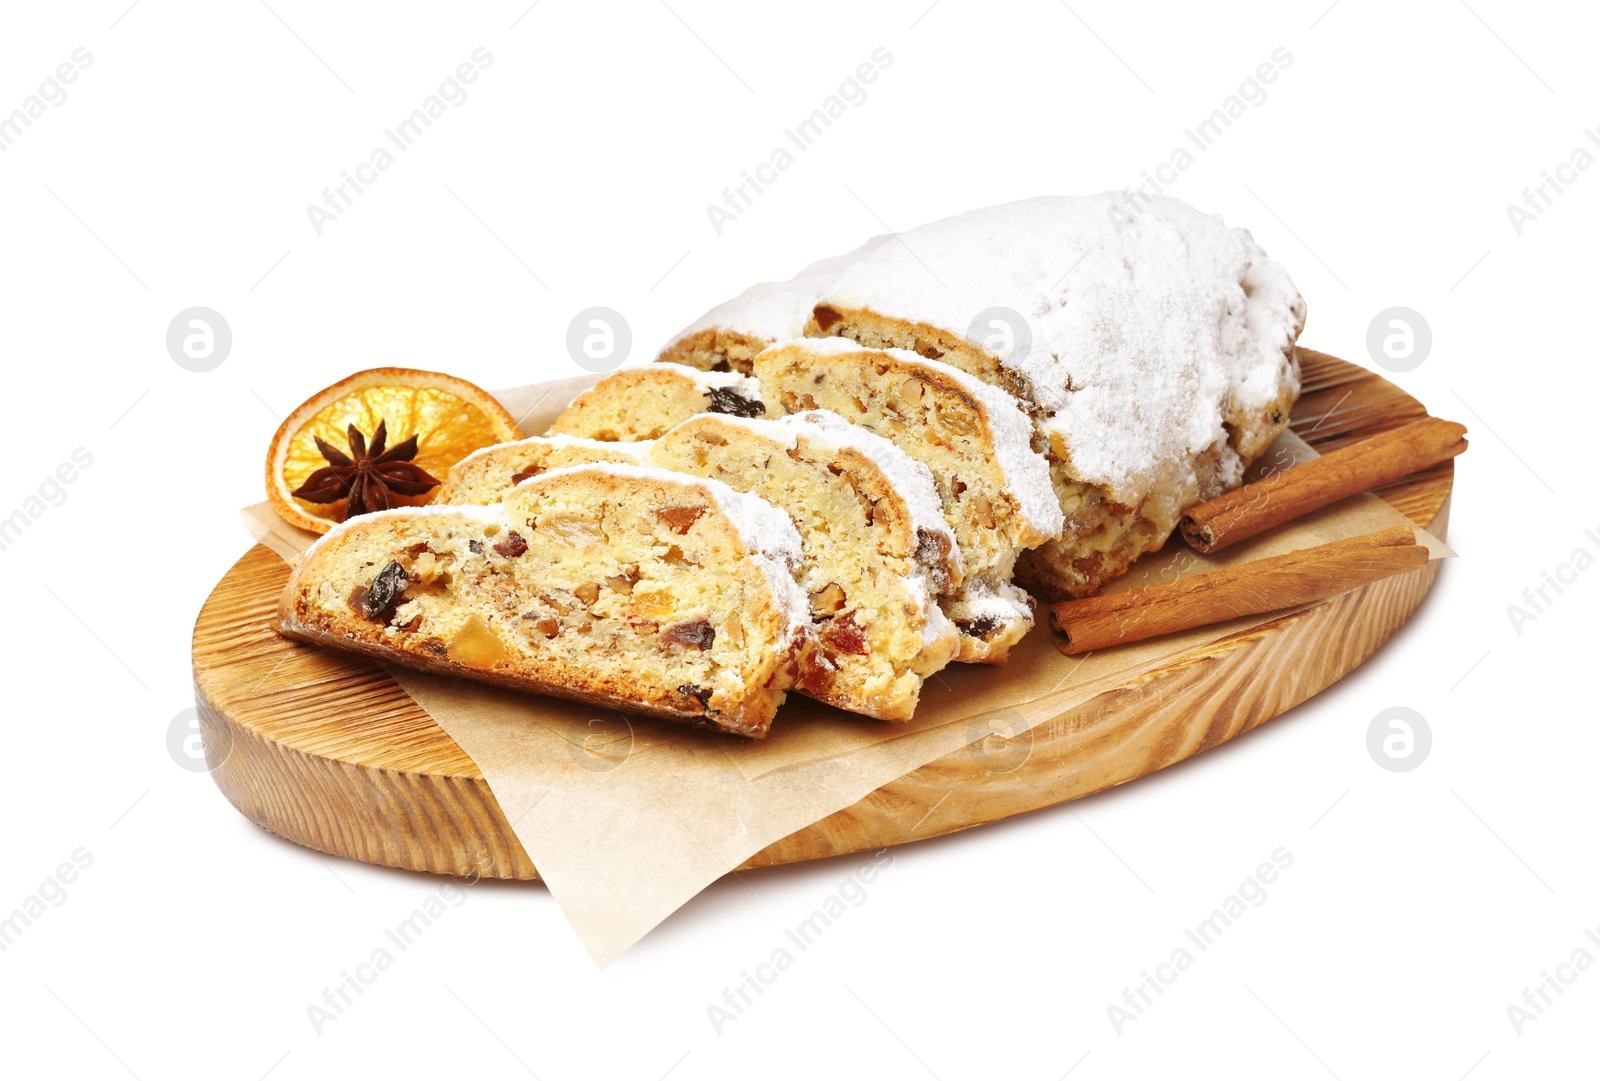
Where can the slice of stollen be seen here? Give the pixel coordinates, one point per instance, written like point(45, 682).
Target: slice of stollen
point(994, 488)
point(639, 589)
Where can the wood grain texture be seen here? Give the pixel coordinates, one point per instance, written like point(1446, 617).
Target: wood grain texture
point(324, 749)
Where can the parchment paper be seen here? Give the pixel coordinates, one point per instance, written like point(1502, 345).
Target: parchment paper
point(628, 818)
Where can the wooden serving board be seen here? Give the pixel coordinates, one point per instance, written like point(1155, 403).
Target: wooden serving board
point(323, 748)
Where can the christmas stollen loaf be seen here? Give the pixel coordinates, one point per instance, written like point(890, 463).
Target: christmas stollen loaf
point(635, 588)
point(1152, 345)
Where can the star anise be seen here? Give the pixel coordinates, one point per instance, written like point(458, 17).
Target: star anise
point(368, 478)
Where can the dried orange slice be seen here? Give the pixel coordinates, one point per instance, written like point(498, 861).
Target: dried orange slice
point(383, 437)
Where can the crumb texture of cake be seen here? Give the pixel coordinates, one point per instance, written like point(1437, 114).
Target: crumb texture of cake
point(632, 587)
point(642, 403)
point(994, 489)
point(1152, 344)
point(875, 552)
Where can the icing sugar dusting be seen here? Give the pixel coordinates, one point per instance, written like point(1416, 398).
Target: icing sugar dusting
point(705, 380)
point(1146, 334)
point(777, 310)
point(1003, 602)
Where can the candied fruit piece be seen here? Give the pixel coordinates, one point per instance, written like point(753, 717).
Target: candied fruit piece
point(476, 645)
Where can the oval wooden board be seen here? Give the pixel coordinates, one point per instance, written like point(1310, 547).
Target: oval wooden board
point(323, 748)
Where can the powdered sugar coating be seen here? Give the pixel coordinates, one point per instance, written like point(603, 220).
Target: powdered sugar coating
point(1026, 472)
point(1000, 601)
point(1151, 323)
point(991, 609)
point(746, 385)
point(776, 311)
point(935, 624)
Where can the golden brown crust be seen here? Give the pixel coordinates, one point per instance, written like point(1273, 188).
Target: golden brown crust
point(753, 721)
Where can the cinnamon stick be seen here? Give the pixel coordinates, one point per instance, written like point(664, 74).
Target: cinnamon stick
point(1256, 508)
point(1264, 585)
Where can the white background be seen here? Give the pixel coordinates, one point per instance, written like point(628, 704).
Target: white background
point(1419, 905)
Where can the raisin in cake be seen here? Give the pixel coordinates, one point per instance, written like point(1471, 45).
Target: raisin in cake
point(876, 551)
point(1153, 345)
point(635, 588)
point(641, 403)
point(974, 439)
